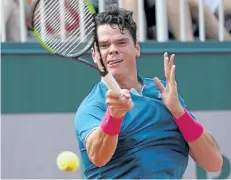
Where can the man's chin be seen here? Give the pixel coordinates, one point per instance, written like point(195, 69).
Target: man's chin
point(113, 72)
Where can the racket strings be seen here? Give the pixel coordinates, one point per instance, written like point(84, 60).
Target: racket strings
point(50, 15)
point(49, 9)
point(38, 13)
point(74, 36)
point(74, 48)
point(51, 12)
point(78, 38)
point(61, 39)
point(80, 35)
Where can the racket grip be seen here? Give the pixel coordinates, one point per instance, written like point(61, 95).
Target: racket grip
point(112, 84)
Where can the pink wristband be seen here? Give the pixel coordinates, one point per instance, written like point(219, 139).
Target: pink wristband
point(111, 125)
point(190, 128)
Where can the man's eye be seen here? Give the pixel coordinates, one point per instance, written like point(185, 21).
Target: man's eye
point(103, 45)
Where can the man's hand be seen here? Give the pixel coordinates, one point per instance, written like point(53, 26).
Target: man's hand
point(170, 93)
point(119, 105)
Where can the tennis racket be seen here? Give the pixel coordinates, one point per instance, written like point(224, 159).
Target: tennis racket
point(68, 28)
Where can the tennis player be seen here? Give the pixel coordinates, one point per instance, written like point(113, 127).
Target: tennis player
point(147, 132)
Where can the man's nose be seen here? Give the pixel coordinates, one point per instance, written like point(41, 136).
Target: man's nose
point(113, 50)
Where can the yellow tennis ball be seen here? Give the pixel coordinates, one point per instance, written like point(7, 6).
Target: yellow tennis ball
point(68, 161)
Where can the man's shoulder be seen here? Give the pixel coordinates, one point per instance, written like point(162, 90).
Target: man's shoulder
point(96, 95)
point(92, 108)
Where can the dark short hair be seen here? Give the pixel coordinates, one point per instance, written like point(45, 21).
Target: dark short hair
point(114, 15)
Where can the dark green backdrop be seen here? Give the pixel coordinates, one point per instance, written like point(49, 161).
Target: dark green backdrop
point(34, 81)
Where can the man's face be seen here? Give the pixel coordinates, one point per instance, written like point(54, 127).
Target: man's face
point(118, 50)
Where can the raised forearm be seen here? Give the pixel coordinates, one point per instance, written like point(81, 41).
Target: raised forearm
point(206, 153)
point(100, 147)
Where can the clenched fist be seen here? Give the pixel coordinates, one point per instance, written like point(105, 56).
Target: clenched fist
point(119, 105)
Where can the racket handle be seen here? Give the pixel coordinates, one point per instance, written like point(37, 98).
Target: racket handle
point(112, 84)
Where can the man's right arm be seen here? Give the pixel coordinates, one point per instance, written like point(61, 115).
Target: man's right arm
point(100, 146)
point(102, 141)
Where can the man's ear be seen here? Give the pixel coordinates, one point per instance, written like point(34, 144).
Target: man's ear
point(137, 49)
point(93, 54)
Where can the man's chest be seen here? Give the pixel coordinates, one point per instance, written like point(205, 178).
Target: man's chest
point(148, 118)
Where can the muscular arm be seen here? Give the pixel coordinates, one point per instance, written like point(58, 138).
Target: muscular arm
point(101, 143)
point(205, 152)
point(100, 147)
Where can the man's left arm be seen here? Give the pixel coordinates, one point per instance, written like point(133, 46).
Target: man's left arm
point(203, 147)
point(205, 152)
